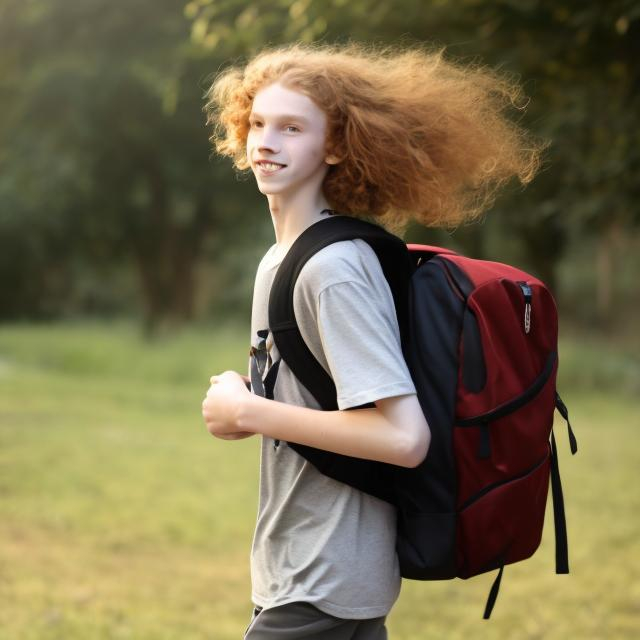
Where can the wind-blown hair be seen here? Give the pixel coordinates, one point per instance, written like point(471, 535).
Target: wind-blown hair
point(419, 136)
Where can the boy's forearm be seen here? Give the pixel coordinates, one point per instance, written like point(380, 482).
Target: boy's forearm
point(362, 433)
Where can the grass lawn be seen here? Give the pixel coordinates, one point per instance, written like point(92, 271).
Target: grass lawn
point(121, 517)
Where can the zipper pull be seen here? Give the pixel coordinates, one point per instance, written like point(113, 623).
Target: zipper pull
point(526, 290)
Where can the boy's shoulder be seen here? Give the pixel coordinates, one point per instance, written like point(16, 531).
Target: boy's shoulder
point(342, 261)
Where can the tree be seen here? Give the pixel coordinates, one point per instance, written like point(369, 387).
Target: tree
point(106, 158)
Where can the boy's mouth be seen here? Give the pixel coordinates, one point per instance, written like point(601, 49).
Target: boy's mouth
point(269, 167)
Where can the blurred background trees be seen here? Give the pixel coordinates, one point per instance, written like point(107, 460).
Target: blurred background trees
point(113, 203)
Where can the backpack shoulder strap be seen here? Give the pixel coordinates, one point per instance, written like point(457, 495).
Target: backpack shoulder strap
point(366, 475)
point(393, 255)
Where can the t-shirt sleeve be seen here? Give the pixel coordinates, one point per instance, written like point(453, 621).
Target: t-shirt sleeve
point(357, 341)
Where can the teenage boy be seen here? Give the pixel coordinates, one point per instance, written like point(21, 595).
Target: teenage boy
point(392, 134)
point(323, 557)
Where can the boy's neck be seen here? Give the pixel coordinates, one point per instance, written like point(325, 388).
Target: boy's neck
point(291, 218)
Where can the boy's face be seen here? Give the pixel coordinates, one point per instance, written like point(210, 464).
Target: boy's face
point(287, 128)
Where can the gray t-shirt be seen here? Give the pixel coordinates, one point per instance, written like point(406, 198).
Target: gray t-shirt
point(318, 540)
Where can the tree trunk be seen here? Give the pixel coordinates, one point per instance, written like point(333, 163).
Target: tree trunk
point(186, 252)
point(545, 244)
point(605, 268)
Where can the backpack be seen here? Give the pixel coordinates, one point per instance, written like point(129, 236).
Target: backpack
point(480, 341)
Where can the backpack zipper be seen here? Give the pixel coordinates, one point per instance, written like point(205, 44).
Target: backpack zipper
point(500, 483)
point(517, 402)
point(526, 291)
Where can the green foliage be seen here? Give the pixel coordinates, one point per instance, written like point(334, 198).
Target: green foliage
point(105, 156)
point(110, 199)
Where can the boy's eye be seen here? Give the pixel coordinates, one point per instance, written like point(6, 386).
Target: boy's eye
point(256, 123)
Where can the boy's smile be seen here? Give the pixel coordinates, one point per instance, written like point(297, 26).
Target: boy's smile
point(267, 168)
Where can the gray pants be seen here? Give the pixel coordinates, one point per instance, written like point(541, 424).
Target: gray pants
point(298, 620)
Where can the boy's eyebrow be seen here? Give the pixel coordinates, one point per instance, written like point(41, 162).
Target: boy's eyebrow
point(290, 116)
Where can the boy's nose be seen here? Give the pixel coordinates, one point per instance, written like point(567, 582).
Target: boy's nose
point(267, 146)
point(267, 140)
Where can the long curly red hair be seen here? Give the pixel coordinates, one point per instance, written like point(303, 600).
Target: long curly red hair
point(419, 136)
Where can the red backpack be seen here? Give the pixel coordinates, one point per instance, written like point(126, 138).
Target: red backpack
point(480, 340)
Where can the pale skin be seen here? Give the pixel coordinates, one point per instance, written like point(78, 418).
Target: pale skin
point(395, 431)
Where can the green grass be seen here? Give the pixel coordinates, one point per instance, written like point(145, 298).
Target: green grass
point(121, 517)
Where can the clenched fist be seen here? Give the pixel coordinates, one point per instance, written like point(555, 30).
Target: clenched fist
point(222, 404)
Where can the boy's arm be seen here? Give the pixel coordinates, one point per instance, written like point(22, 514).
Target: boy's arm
point(395, 431)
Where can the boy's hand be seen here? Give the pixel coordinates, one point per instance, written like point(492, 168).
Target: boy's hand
point(220, 407)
